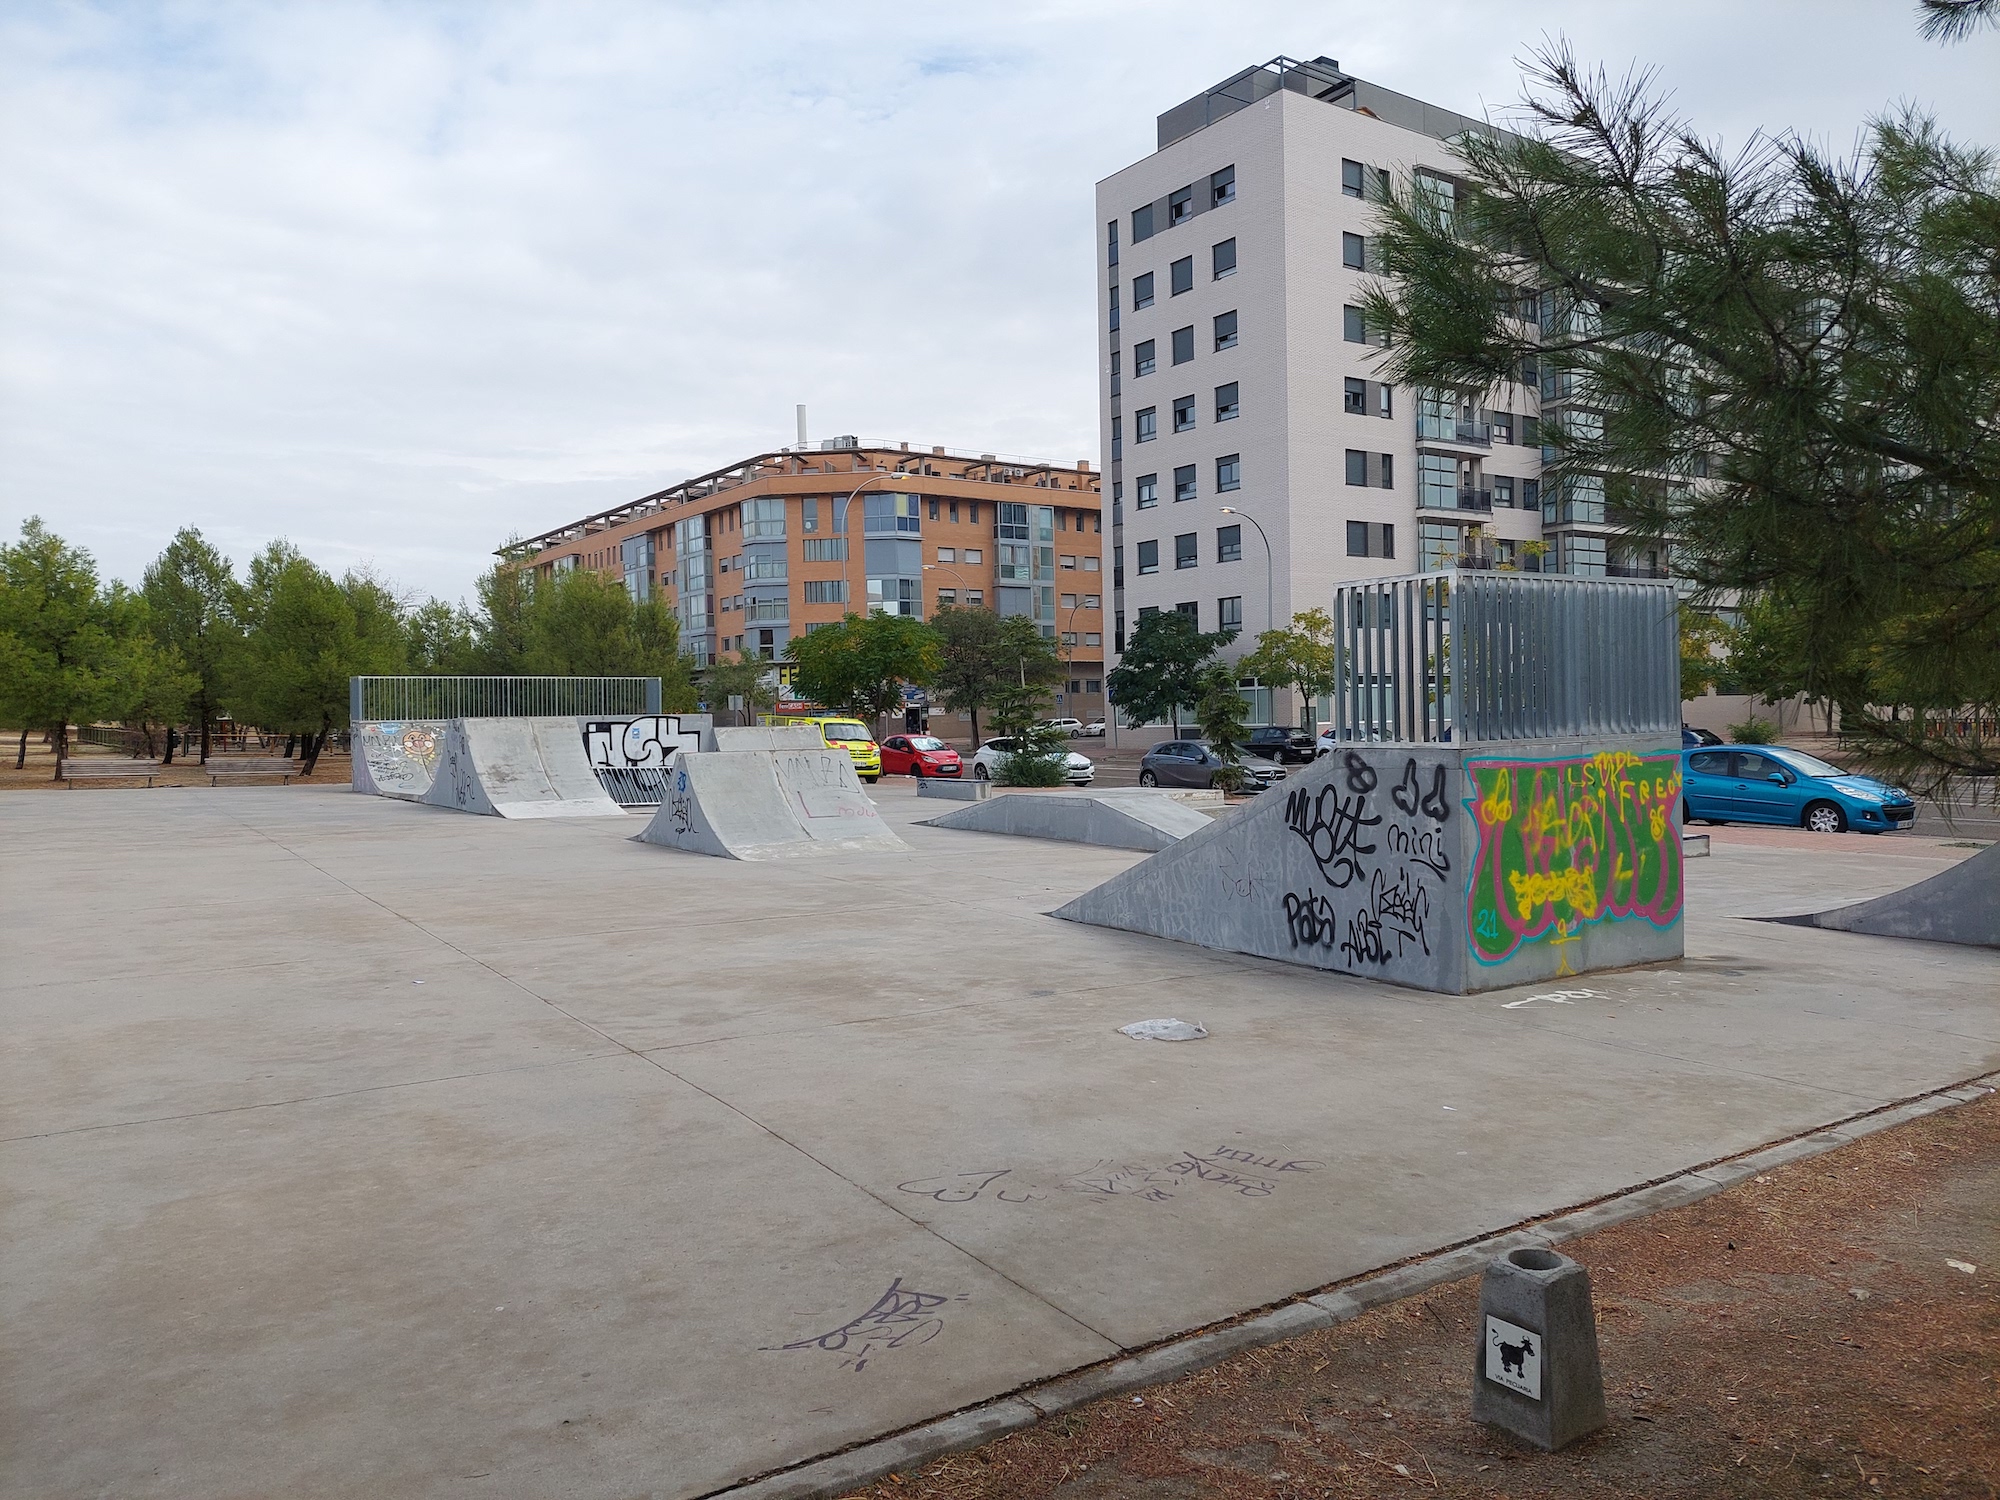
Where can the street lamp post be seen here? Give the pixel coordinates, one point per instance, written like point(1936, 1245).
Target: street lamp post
point(1269, 591)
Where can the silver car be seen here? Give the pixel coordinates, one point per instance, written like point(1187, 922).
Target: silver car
point(1191, 763)
point(1077, 769)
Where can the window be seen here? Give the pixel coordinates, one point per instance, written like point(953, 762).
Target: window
point(1353, 181)
point(1146, 424)
point(1228, 472)
point(1149, 558)
point(1229, 613)
point(764, 518)
point(1180, 276)
point(1228, 544)
point(1388, 400)
point(1142, 358)
point(1068, 561)
point(1357, 469)
point(1142, 223)
point(1437, 545)
point(954, 512)
point(947, 554)
point(1388, 471)
point(1114, 307)
point(1111, 243)
point(1185, 551)
point(1068, 601)
point(1503, 490)
point(827, 591)
point(934, 509)
point(1369, 539)
point(974, 554)
point(1090, 563)
point(1531, 494)
point(1183, 414)
point(826, 549)
point(1353, 325)
point(809, 513)
point(1118, 630)
point(1149, 491)
point(1354, 397)
point(1225, 402)
point(1183, 344)
point(889, 514)
point(974, 598)
point(1354, 252)
point(1180, 204)
point(1184, 482)
point(1503, 426)
point(1531, 432)
point(1142, 291)
point(1117, 448)
point(1223, 259)
point(1222, 187)
point(1225, 330)
point(947, 596)
point(1117, 567)
point(1192, 610)
point(1093, 601)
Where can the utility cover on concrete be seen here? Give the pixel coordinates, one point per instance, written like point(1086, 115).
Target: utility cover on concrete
point(1111, 819)
point(1167, 1030)
point(1959, 905)
point(760, 804)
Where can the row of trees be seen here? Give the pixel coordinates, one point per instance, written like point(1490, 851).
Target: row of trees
point(275, 647)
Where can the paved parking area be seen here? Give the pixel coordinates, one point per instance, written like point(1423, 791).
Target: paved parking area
point(362, 1148)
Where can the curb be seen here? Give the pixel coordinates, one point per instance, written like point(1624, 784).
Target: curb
point(840, 1474)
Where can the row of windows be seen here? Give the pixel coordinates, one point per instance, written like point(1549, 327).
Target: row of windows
point(1180, 278)
point(1228, 476)
point(1146, 421)
point(1180, 208)
point(1228, 549)
point(1181, 344)
point(1228, 613)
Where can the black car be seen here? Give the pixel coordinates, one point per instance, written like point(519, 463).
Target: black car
point(1191, 763)
point(1695, 739)
point(1293, 746)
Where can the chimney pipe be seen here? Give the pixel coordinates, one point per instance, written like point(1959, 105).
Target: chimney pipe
point(802, 426)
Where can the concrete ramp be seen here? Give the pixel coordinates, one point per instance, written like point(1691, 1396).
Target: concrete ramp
point(397, 758)
point(769, 737)
point(1959, 905)
point(1145, 820)
point(766, 804)
point(518, 768)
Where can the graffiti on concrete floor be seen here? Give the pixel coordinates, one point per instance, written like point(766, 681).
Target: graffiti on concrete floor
point(1568, 842)
point(1230, 1169)
point(900, 1319)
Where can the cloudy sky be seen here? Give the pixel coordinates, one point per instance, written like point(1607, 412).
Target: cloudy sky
point(400, 280)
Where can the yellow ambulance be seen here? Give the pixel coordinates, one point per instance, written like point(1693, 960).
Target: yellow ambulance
point(850, 735)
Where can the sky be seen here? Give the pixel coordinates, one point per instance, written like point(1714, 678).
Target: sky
point(400, 281)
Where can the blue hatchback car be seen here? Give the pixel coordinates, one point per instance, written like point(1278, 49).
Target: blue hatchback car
point(1771, 784)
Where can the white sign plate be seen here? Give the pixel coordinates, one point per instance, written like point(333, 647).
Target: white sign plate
point(1514, 1358)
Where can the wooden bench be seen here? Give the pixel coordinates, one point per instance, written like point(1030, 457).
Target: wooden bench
point(274, 765)
point(70, 772)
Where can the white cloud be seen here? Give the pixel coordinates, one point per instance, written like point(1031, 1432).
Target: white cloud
point(397, 281)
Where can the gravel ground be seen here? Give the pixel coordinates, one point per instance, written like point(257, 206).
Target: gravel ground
point(1830, 1328)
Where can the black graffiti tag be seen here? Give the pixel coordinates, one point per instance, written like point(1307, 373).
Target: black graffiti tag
point(1311, 919)
point(1409, 795)
point(1403, 907)
point(1426, 848)
point(1360, 775)
point(898, 1319)
point(1331, 825)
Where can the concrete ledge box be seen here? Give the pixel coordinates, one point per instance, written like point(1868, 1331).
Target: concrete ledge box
point(1534, 1371)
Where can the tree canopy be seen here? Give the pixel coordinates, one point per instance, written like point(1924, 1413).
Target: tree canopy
point(986, 661)
point(1783, 365)
point(1299, 655)
point(1160, 672)
point(859, 666)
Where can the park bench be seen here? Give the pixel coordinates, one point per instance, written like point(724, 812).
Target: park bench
point(242, 766)
point(70, 772)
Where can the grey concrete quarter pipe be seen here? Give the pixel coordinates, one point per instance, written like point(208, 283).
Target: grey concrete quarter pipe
point(1959, 905)
point(769, 804)
point(518, 768)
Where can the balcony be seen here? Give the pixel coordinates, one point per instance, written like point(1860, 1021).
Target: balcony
point(1469, 433)
point(1634, 570)
point(1479, 502)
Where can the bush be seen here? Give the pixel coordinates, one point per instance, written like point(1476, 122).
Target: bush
point(1040, 759)
point(1754, 731)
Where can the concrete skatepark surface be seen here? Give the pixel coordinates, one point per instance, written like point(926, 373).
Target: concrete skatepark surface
point(359, 1151)
point(1959, 905)
point(768, 804)
point(518, 768)
point(1138, 819)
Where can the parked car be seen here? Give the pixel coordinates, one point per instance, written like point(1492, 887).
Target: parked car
point(1070, 727)
point(1694, 739)
point(1773, 784)
point(840, 734)
point(1077, 769)
point(1286, 746)
point(1191, 763)
point(1094, 730)
point(919, 755)
point(1332, 739)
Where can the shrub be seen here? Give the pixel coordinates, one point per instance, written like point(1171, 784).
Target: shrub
point(1754, 731)
point(1039, 759)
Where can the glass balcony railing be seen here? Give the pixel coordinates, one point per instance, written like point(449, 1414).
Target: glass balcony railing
point(1432, 428)
point(1473, 500)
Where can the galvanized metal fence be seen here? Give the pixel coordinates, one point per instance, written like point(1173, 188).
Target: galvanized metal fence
point(634, 786)
point(1487, 656)
point(390, 698)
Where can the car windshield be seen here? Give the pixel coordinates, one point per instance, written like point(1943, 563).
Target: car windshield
point(845, 732)
point(925, 742)
point(1798, 760)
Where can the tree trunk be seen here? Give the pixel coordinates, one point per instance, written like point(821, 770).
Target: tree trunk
point(61, 738)
point(21, 755)
point(975, 726)
point(309, 748)
point(201, 704)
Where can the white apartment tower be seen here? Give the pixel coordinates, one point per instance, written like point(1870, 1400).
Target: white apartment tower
point(1235, 371)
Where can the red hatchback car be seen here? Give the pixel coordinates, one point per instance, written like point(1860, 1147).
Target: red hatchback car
point(919, 755)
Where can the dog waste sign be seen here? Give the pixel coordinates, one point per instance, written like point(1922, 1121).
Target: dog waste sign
point(1514, 1357)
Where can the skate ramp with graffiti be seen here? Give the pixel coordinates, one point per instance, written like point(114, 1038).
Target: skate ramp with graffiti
point(397, 758)
point(1114, 819)
point(1441, 867)
point(1959, 905)
point(518, 768)
point(769, 737)
point(766, 804)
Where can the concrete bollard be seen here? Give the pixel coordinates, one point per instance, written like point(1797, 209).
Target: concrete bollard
point(1535, 1372)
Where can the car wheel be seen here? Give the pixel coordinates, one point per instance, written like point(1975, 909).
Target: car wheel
point(979, 773)
point(1147, 778)
point(1825, 817)
point(871, 780)
point(917, 770)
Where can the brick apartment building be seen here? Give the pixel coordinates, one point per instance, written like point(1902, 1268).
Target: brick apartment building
point(755, 553)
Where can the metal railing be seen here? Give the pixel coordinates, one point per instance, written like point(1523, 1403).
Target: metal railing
point(1493, 656)
point(372, 699)
point(634, 786)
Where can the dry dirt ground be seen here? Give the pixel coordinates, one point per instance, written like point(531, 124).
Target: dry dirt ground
point(39, 772)
point(1803, 1333)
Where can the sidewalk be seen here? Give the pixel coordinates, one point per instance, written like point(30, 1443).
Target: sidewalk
point(1803, 1333)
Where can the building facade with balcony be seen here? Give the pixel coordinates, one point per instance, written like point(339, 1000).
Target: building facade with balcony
point(783, 542)
point(1236, 369)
